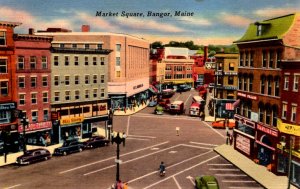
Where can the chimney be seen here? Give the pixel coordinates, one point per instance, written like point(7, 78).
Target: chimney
point(85, 28)
point(31, 31)
point(205, 53)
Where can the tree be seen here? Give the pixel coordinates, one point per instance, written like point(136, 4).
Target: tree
point(157, 44)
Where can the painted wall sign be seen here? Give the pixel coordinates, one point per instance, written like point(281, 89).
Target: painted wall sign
point(243, 143)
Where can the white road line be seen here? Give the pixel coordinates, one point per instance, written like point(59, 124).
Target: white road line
point(137, 138)
point(89, 164)
point(214, 129)
point(232, 175)
point(14, 186)
point(127, 127)
point(239, 181)
point(140, 157)
point(197, 146)
point(169, 166)
point(224, 169)
point(221, 164)
point(203, 143)
point(141, 136)
point(177, 184)
point(187, 99)
point(181, 171)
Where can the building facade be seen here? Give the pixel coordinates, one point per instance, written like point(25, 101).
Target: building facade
point(8, 120)
point(288, 122)
point(262, 49)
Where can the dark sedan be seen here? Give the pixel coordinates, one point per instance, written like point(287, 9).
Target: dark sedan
point(96, 141)
point(68, 147)
point(32, 156)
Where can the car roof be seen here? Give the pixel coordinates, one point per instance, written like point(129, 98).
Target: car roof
point(177, 102)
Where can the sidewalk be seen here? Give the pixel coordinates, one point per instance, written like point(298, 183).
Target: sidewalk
point(258, 172)
point(130, 111)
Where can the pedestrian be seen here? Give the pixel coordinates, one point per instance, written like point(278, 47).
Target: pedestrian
point(119, 185)
point(230, 139)
point(125, 185)
point(124, 138)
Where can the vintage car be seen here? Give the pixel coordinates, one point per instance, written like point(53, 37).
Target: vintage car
point(68, 147)
point(95, 141)
point(165, 102)
point(167, 93)
point(195, 109)
point(183, 88)
point(177, 107)
point(220, 124)
point(32, 156)
point(206, 182)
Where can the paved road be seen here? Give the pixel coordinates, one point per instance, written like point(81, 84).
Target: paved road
point(151, 139)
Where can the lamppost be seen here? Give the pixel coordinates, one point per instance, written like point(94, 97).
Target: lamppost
point(283, 144)
point(110, 122)
point(25, 123)
point(118, 140)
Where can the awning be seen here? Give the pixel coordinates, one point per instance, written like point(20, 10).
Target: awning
point(152, 90)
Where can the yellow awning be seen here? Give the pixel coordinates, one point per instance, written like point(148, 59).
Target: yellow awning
point(288, 128)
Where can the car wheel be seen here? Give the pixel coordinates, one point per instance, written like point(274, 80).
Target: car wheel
point(92, 146)
point(80, 149)
point(64, 153)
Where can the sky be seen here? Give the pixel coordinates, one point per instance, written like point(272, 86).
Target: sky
point(215, 22)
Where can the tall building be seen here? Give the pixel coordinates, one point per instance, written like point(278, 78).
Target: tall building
point(33, 76)
point(263, 48)
point(8, 120)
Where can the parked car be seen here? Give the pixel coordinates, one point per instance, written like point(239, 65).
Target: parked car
point(152, 103)
point(220, 124)
point(206, 182)
point(165, 102)
point(96, 141)
point(69, 146)
point(32, 156)
point(183, 88)
point(167, 93)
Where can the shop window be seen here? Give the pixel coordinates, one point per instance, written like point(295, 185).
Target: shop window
point(4, 117)
point(295, 173)
point(282, 163)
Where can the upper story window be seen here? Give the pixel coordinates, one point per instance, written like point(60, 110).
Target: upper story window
point(45, 81)
point(296, 83)
point(32, 62)
point(269, 87)
point(259, 30)
point(188, 68)
point(2, 38)
point(102, 59)
point(284, 110)
point(86, 60)
point(230, 80)
point(67, 61)
point(250, 82)
point(33, 81)
point(118, 61)
point(231, 66)
point(44, 62)
point(74, 45)
point(4, 88)
point(247, 59)
point(102, 78)
point(220, 66)
point(277, 87)
point(168, 68)
point(94, 61)
point(271, 59)
point(251, 58)
point(21, 63)
point(178, 68)
point(3, 66)
point(240, 83)
point(21, 81)
point(87, 79)
point(262, 85)
point(55, 60)
point(241, 59)
point(62, 45)
point(294, 111)
point(86, 46)
point(99, 46)
point(264, 59)
point(76, 79)
point(67, 80)
point(278, 58)
point(76, 60)
point(56, 80)
point(286, 82)
point(118, 47)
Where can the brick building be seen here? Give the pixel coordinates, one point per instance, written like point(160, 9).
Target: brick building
point(262, 49)
point(33, 75)
point(8, 122)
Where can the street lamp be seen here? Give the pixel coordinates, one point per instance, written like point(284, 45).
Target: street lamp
point(283, 144)
point(25, 123)
point(118, 140)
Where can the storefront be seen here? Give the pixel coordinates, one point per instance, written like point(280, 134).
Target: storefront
point(95, 126)
point(70, 128)
point(244, 135)
point(120, 102)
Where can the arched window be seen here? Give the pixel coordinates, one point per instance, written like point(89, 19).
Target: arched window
point(262, 84)
point(276, 86)
point(269, 83)
point(274, 115)
point(261, 111)
point(250, 82)
point(246, 82)
point(268, 114)
point(240, 82)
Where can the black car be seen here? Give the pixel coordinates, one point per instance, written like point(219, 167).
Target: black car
point(96, 141)
point(68, 147)
point(183, 88)
point(31, 156)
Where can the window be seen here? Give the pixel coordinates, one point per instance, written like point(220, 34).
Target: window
point(284, 110)
point(231, 66)
point(86, 60)
point(168, 68)
point(251, 58)
point(76, 60)
point(56, 80)
point(269, 86)
point(45, 97)
point(118, 47)
point(168, 76)
point(33, 82)
point(230, 80)
point(102, 59)
point(87, 94)
point(45, 81)
point(21, 81)
point(245, 84)
point(32, 62)
point(259, 30)
point(56, 96)
point(268, 116)
point(102, 91)
point(286, 82)
point(118, 73)
point(46, 115)
point(188, 68)
point(44, 62)
point(34, 116)
point(278, 58)
point(67, 61)
point(86, 46)
point(95, 78)
point(178, 68)
point(55, 61)
point(250, 82)
point(240, 82)
point(118, 61)
point(264, 59)
point(3, 66)
point(241, 59)
point(33, 98)
point(67, 95)
point(62, 45)
point(5, 116)
point(189, 76)
point(21, 63)
point(21, 99)
point(4, 88)
point(74, 46)
point(261, 112)
point(2, 38)
point(77, 93)
point(67, 80)
point(99, 46)
point(95, 93)
point(247, 59)
point(271, 59)
point(87, 79)
point(262, 85)
point(276, 85)
point(77, 79)
point(94, 61)
point(296, 83)
point(274, 115)
point(293, 115)
point(102, 78)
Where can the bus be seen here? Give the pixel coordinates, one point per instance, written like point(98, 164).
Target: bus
point(198, 99)
point(195, 109)
point(177, 107)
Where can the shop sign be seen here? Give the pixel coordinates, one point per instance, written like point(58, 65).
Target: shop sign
point(138, 86)
point(72, 120)
point(252, 97)
point(230, 87)
point(267, 130)
point(288, 128)
point(7, 106)
point(230, 73)
point(36, 126)
point(55, 116)
point(243, 143)
point(254, 116)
